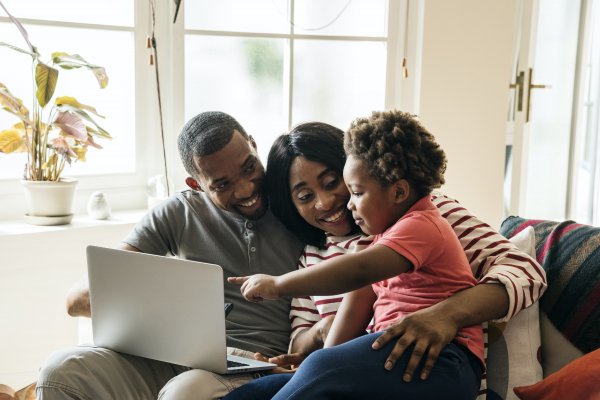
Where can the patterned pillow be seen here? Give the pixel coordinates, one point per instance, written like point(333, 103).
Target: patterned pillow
point(514, 347)
point(570, 255)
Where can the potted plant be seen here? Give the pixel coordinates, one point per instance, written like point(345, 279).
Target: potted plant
point(54, 134)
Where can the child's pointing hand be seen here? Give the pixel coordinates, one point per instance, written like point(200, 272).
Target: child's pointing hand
point(257, 287)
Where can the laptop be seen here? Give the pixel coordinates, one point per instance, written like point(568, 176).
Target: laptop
point(161, 308)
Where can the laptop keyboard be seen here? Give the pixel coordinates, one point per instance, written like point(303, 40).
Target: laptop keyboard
point(235, 364)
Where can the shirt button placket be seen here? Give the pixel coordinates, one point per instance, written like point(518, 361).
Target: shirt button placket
point(251, 235)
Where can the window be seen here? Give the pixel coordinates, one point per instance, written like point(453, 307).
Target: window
point(276, 63)
point(50, 27)
point(103, 33)
point(269, 63)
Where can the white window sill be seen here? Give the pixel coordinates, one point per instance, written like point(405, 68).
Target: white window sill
point(19, 226)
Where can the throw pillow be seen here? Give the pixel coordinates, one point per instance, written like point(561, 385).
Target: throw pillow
point(514, 347)
point(570, 254)
point(557, 351)
point(577, 380)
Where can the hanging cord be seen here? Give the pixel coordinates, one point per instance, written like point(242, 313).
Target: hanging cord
point(177, 4)
point(151, 42)
point(404, 67)
point(313, 29)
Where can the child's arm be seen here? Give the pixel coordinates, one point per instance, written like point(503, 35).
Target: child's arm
point(353, 316)
point(337, 275)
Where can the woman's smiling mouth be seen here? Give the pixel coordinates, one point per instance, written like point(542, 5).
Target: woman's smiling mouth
point(334, 217)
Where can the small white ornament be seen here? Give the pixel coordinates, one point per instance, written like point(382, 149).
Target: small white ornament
point(98, 207)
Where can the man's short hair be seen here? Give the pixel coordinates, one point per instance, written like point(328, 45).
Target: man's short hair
point(205, 134)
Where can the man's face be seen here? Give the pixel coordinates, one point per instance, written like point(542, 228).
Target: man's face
point(233, 178)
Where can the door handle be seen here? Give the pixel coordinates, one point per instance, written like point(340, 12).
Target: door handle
point(531, 86)
point(519, 85)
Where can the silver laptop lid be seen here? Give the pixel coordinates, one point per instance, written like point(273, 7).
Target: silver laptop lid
point(157, 307)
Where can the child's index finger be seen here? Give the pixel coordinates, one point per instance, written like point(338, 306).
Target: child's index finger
point(238, 280)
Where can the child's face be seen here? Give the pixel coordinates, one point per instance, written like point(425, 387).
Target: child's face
point(372, 204)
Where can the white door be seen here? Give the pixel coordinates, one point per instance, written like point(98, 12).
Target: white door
point(540, 108)
point(584, 204)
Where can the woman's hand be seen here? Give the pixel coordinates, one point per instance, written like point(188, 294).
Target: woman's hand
point(257, 287)
point(286, 363)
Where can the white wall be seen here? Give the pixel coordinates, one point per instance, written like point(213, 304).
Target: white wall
point(36, 271)
point(466, 61)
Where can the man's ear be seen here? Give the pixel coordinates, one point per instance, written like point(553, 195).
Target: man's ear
point(252, 142)
point(193, 184)
point(402, 190)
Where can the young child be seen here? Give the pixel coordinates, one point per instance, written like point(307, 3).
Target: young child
point(415, 261)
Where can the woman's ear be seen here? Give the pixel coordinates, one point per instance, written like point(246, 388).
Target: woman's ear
point(402, 190)
point(193, 184)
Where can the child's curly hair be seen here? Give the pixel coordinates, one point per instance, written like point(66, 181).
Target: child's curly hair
point(394, 145)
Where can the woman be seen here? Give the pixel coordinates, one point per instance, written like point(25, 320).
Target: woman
point(308, 194)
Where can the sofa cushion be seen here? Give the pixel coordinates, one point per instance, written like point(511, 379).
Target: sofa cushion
point(570, 255)
point(577, 380)
point(514, 347)
point(557, 351)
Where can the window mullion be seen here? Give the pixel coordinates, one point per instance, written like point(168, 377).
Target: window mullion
point(288, 80)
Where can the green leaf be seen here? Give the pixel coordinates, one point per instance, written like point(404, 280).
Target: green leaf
point(13, 104)
point(20, 50)
point(68, 61)
point(19, 27)
point(45, 80)
point(100, 74)
point(71, 61)
point(12, 140)
point(94, 132)
point(72, 101)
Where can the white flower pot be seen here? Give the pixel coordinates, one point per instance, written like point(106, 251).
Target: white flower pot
point(49, 203)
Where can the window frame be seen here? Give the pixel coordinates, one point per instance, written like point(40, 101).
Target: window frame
point(124, 190)
point(128, 190)
point(402, 93)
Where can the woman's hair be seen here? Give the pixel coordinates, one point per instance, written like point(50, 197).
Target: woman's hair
point(315, 141)
point(394, 145)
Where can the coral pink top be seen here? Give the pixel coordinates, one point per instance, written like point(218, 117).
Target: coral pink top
point(440, 269)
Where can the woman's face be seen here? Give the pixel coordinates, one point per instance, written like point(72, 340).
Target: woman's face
point(320, 196)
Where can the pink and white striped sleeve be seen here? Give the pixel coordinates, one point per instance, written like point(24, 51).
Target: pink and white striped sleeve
point(493, 258)
point(303, 312)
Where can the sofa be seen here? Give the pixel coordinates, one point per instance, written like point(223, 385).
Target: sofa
point(551, 347)
point(550, 350)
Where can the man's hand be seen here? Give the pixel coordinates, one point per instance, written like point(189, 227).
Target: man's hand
point(286, 363)
point(429, 331)
point(78, 299)
point(257, 287)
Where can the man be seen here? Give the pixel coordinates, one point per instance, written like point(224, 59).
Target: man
point(223, 220)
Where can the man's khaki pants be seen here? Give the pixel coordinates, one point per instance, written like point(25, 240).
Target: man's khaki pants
point(92, 373)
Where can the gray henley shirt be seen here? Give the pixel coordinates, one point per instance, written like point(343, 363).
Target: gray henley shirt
point(188, 225)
